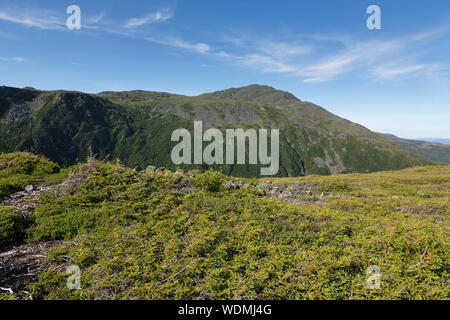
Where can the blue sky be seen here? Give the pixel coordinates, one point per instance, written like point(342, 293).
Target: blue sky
point(394, 80)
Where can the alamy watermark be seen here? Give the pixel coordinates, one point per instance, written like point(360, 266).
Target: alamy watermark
point(74, 280)
point(74, 20)
point(374, 277)
point(214, 153)
point(374, 21)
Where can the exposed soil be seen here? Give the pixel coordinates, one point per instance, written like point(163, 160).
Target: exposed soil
point(25, 202)
point(22, 263)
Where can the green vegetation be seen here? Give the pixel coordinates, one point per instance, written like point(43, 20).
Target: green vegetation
point(12, 226)
point(25, 163)
point(12, 184)
point(160, 235)
point(6, 297)
point(17, 170)
point(209, 180)
point(428, 150)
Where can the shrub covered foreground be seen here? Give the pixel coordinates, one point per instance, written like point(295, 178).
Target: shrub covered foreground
point(17, 170)
point(160, 235)
point(12, 226)
point(26, 163)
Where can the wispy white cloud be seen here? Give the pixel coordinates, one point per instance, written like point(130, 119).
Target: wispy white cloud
point(392, 72)
point(267, 46)
point(353, 57)
point(48, 20)
point(33, 18)
point(153, 17)
point(95, 19)
point(283, 50)
point(265, 55)
point(232, 39)
point(96, 22)
point(199, 47)
point(310, 58)
point(45, 19)
point(429, 35)
point(317, 60)
point(265, 63)
point(13, 59)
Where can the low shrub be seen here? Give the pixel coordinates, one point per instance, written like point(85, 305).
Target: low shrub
point(12, 184)
point(209, 180)
point(12, 226)
point(64, 224)
point(20, 169)
point(26, 163)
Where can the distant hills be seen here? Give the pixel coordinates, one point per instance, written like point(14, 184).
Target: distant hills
point(136, 127)
point(439, 140)
point(429, 150)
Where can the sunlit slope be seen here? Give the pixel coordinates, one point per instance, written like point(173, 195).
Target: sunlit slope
point(161, 235)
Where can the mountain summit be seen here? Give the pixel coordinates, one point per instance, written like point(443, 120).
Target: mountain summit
point(254, 93)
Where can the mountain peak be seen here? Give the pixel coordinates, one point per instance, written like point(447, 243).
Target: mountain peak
point(255, 93)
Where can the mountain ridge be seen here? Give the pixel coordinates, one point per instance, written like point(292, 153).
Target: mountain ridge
point(438, 140)
point(427, 149)
point(135, 126)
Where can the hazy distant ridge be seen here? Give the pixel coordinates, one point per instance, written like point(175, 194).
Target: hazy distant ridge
point(429, 150)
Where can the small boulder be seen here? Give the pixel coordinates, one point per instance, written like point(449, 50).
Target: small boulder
point(234, 184)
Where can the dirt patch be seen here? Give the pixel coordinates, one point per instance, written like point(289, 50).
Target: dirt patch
point(22, 264)
point(25, 202)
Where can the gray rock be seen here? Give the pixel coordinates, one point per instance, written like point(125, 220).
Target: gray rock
point(325, 195)
point(16, 195)
point(29, 188)
point(232, 184)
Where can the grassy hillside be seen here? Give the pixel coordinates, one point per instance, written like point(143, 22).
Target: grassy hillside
point(161, 235)
point(425, 149)
point(136, 127)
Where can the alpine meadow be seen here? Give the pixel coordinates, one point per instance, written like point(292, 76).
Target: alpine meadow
point(224, 159)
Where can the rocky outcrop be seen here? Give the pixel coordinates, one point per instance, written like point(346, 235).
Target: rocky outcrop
point(25, 201)
point(293, 194)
